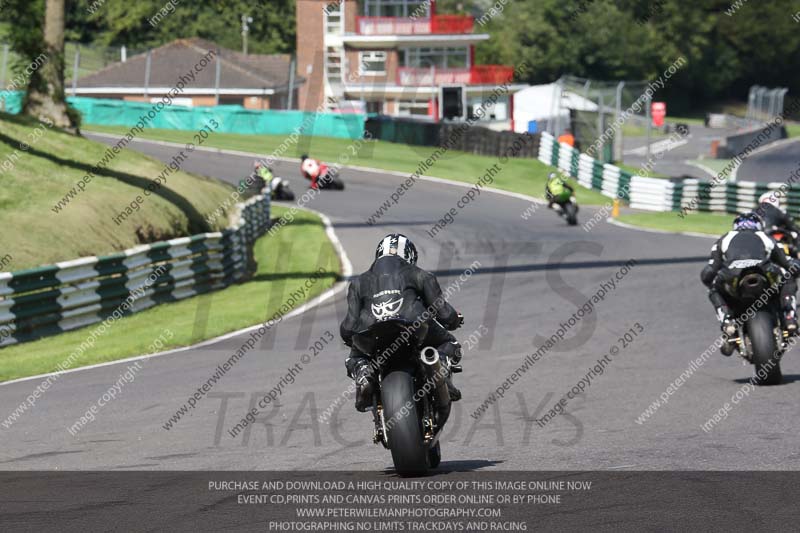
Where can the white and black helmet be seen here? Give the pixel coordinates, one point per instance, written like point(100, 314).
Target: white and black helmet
point(399, 245)
point(770, 198)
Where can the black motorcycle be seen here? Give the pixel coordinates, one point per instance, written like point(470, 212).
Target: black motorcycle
point(331, 181)
point(279, 188)
point(568, 209)
point(761, 339)
point(411, 403)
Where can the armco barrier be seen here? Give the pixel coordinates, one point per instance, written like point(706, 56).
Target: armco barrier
point(51, 299)
point(654, 194)
point(762, 135)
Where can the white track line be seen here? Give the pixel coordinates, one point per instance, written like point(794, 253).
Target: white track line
point(347, 268)
point(702, 167)
point(347, 271)
point(657, 147)
point(660, 231)
point(761, 150)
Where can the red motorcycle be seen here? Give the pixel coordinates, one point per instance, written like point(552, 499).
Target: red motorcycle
point(328, 177)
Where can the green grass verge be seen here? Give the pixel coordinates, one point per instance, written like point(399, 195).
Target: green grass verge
point(711, 223)
point(35, 179)
point(716, 165)
point(527, 176)
point(699, 120)
point(793, 129)
point(285, 261)
point(636, 171)
point(635, 130)
point(519, 175)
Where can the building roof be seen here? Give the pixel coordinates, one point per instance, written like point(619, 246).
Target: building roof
point(173, 60)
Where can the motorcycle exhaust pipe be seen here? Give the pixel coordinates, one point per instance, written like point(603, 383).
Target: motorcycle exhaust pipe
point(436, 374)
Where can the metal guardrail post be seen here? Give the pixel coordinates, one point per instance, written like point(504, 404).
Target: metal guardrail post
point(759, 107)
point(619, 138)
point(5, 66)
point(751, 103)
point(147, 66)
point(649, 105)
point(75, 66)
point(217, 75)
point(773, 94)
point(781, 101)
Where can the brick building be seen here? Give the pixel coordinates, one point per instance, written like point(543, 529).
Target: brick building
point(391, 57)
point(254, 81)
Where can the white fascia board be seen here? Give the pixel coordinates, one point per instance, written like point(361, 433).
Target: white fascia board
point(392, 41)
point(153, 91)
point(410, 90)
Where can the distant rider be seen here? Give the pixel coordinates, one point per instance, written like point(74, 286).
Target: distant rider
point(262, 173)
point(557, 190)
point(775, 218)
point(747, 241)
point(395, 287)
point(313, 170)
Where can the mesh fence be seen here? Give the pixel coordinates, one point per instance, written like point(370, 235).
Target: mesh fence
point(90, 59)
point(764, 104)
point(590, 108)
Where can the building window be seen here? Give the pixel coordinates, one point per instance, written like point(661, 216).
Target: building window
point(454, 57)
point(333, 18)
point(372, 63)
point(374, 108)
point(413, 108)
point(491, 111)
point(397, 8)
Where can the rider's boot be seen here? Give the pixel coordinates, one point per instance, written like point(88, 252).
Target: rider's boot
point(728, 326)
point(452, 350)
point(455, 392)
point(365, 386)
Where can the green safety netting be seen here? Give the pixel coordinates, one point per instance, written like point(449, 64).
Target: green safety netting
point(11, 101)
point(231, 118)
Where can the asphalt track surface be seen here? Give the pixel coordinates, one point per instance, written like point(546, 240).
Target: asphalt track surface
point(673, 161)
point(773, 164)
point(533, 276)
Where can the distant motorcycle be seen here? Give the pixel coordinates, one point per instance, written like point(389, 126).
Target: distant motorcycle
point(568, 210)
point(761, 339)
point(279, 188)
point(786, 240)
point(331, 181)
point(411, 403)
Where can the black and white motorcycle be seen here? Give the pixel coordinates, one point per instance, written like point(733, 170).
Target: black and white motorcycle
point(411, 402)
point(279, 187)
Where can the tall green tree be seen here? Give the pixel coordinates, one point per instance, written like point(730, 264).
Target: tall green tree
point(122, 22)
point(37, 38)
point(726, 51)
point(45, 96)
